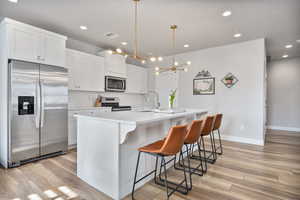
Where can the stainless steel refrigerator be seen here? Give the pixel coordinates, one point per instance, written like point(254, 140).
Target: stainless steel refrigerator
point(38, 111)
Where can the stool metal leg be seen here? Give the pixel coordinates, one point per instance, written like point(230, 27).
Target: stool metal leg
point(166, 178)
point(205, 159)
point(135, 175)
point(204, 152)
point(213, 147)
point(155, 173)
point(193, 170)
point(212, 154)
point(220, 144)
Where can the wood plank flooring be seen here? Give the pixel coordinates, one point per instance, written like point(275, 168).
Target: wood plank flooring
point(244, 171)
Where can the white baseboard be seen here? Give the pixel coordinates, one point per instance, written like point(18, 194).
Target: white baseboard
point(282, 128)
point(242, 140)
point(72, 146)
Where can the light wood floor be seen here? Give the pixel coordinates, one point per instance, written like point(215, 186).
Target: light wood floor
point(243, 172)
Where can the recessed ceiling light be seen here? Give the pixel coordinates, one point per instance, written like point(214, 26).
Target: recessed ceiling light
point(288, 46)
point(124, 43)
point(186, 46)
point(298, 41)
point(285, 56)
point(226, 13)
point(13, 1)
point(83, 28)
point(152, 59)
point(160, 58)
point(119, 50)
point(237, 35)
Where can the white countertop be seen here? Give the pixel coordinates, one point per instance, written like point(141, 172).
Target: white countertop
point(135, 117)
point(76, 108)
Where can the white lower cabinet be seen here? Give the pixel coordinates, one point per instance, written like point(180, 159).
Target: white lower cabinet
point(137, 80)
point(72, 124)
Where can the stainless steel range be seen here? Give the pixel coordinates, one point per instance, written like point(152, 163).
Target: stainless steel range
point(114, 103)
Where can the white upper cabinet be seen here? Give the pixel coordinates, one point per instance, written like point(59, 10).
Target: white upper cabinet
point(86, 71)
point(24, 44)
point(115, 65)
point(28, 43)
point(137, 79)
point(54, 51)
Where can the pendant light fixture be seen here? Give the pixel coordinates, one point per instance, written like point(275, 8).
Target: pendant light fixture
point(176, 66)
point(135, 54)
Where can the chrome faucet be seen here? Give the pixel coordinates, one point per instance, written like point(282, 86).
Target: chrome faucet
point(157, 103)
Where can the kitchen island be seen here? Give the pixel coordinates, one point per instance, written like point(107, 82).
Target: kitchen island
point(107, 146)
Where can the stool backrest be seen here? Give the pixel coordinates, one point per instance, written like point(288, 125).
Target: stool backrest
point(218, 121)
point(174, 140)
point(208, 125)
point(193, 132)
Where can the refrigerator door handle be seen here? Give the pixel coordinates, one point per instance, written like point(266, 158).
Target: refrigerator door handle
point(42, 104)
point(38, 105)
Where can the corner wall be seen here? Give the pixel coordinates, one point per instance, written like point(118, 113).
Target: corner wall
point(284, 94)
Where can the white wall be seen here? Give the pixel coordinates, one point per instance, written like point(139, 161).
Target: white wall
point(243, 104)
point(284, 94)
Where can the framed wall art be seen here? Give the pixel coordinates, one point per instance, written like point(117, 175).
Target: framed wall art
point(204, 86)
point(229, 80)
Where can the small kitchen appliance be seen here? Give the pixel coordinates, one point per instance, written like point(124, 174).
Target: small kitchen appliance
point(115, 84)
point(114, 103)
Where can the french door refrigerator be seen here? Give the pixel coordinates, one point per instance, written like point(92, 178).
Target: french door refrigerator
point(38, 111)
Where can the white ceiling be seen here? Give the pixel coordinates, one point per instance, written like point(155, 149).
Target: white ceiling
point(200, 22)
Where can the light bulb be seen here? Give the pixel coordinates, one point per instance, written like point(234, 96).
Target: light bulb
point(152, 59)
point(176, 63)
point(188, 62)
point(119, 50)
point(226, 13)
point(160, 58)
point(156, 68)
point(237, 35)
point(285, 56)
point(143, 61)
point(110, 51)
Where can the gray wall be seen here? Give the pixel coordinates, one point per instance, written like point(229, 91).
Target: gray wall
point(82, 46)
point(242, 105)
point(284, 94)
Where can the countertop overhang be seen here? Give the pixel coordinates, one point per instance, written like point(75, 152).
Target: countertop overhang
point(136, 117)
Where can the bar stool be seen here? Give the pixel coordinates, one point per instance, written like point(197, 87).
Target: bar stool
point(217, 125)
point(192, 137)
point(207, 131)
point(170, 146)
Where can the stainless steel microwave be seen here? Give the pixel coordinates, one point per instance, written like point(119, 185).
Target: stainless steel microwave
point(115, 84)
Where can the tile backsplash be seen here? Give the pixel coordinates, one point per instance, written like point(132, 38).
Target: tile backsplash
point(81, 98)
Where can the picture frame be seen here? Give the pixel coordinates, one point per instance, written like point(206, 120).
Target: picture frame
point(229, 80)
point(204, 86)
